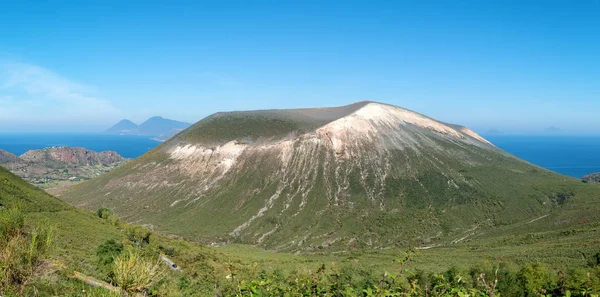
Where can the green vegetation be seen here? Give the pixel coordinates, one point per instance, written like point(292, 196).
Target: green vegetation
point(104, 212)
point(248, 126)
point(219, 130)
point(133, 273)
point(22, 252)
point(106, 254)
point(530, 280)
point(57, 246)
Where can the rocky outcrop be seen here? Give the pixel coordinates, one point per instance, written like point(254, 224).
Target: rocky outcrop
point(593, 177)
point(71, 156)
point(7, 157)
point(51, 167)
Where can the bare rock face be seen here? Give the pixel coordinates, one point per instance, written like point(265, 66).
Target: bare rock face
point(366, 174)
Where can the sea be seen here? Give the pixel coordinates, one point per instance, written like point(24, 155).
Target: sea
point(574, 156)
point(569, 155)
point(127, 146)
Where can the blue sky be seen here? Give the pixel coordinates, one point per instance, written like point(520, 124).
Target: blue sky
point(516, 66)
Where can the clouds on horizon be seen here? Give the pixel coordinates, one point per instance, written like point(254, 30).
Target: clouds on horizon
point(31, 93)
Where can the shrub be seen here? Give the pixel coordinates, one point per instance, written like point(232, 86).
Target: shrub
point(40, 242)
point(594, 260)
point(133, 273)
point(113, 219)
point(138, 235)
point(169, 250)
point(11, 223)
point(104, 212)
point(106, 253)
point(535, 280)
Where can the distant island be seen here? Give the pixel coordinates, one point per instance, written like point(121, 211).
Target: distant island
point(56, 168)
point(157, 127)
point(553, 130)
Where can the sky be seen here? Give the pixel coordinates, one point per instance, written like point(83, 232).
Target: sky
point(512, 66)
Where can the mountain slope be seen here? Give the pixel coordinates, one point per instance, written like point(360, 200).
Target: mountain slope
point(17, 192)
point(363, 175)
point(77, 231)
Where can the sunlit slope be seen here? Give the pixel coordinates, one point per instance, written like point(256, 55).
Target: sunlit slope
point(15, 192)
point(358, 176)
point(77, 232)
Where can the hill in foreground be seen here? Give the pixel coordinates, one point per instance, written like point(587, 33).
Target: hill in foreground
point(366, 175)
point(49, 248)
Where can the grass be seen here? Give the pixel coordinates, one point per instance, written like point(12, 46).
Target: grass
point(133, 273)
point(249, 126)
point(217, 129)
point(563, 248)
point(237, 269)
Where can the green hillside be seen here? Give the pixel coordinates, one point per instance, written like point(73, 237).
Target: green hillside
point(75, 237)
point(523, 260)
point(223, 127)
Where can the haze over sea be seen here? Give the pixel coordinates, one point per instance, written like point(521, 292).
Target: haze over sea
point(570, 155)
